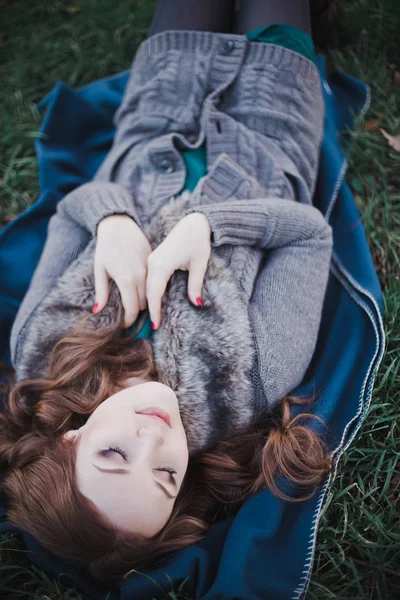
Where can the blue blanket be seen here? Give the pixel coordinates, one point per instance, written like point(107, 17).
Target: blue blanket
point(267, 550)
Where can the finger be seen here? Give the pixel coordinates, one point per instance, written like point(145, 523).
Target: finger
point(142, 295)
point(155, 289)
point(197, 271)
point(130, 302)
point(102, 288)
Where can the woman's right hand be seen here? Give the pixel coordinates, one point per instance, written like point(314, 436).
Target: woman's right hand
point(121, 254)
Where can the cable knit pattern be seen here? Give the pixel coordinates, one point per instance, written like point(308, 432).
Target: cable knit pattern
point(259, 103)
point(259, 107)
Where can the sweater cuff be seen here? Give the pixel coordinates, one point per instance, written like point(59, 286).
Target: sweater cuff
point(94, 201)
point(224, 221)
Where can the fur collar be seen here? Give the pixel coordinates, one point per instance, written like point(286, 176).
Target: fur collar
point(204, 354)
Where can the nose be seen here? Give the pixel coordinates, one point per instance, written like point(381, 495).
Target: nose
point(153, 435)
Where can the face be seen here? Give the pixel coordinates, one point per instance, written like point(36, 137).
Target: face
point(131, 462)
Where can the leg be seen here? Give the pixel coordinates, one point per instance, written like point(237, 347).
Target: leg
point(204, 15)
point(259, 13)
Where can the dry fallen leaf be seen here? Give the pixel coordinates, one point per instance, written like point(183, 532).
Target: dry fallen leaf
point(8, 218)
point(74, 7)
point(370, 126)
point(394, 140)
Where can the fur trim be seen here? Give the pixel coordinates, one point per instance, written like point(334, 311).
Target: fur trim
point(72, 297)
point(204, 354)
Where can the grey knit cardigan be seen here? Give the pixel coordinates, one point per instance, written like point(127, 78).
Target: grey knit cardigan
point(259, 108)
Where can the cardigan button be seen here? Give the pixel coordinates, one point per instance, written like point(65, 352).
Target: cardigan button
point(228, 46)
point(166, 166)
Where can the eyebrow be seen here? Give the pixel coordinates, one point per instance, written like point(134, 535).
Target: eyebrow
point(122, 470)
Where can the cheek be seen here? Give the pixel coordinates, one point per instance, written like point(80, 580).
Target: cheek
point(182, 451)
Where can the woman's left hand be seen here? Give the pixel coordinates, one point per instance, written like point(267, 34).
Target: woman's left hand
point(187, 247)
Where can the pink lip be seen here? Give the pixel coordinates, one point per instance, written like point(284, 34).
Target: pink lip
point(156, 411)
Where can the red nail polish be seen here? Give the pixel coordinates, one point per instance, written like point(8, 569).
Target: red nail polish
point(152, 325)
point(95, 307)
point(199, 301)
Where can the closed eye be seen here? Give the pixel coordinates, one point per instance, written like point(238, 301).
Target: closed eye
point(115, 449)
point(170, 472)
point(123, 470)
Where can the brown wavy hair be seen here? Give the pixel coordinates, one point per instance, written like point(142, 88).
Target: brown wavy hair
point(85, 368)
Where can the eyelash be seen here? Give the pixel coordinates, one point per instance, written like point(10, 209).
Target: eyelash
point(118, 450)
point(169, 469)
point(125, 457)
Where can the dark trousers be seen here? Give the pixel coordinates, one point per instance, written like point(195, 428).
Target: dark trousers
point(221, 16)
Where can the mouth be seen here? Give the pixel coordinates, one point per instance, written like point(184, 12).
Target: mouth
point(156, 411)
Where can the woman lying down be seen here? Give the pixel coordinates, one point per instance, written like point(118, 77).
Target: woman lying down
point(168, 320)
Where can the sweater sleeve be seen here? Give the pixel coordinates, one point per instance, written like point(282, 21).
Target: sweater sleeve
point(70, 230)
point(263, 222)
point(91, 202)
point(288, 296)
point(286, 310)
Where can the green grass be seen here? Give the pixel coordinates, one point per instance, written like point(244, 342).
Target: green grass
point(358, 545)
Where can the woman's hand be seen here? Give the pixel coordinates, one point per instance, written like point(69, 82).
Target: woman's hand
point(121, 254)
point(187, 247)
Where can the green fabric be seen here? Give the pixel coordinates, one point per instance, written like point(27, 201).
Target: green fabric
point(287, 36)
point(196, 159)
point(146, 330)
point(196, 166)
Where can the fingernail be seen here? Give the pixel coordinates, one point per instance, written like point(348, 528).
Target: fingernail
point(152, 325)
point(95, 307)
point(199, 301)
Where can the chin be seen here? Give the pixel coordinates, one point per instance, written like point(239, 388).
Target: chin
point(132, 381)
